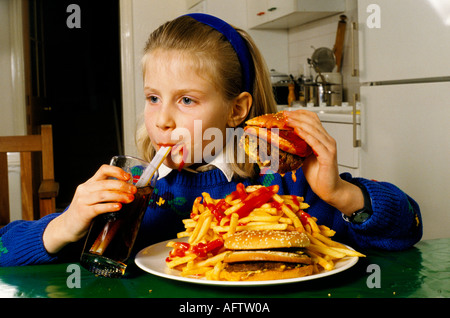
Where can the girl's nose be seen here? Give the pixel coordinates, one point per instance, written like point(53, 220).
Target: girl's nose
point(165, 120)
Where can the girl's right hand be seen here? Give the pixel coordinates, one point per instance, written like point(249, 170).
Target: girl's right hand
point(100, 194)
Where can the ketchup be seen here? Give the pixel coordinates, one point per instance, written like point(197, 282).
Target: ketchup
point(294, 198)
point(180, 249)
point(218, 209)
point(183, 158)
point(304, 217)
point(240, 189)
point(201, 249)
point(256, 199)
point(302, 149)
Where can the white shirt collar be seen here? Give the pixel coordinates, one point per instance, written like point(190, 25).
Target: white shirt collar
point(218, 162)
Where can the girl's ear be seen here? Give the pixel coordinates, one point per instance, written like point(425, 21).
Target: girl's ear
point(240, 110)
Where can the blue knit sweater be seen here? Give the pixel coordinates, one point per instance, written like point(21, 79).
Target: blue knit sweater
point(395, 224)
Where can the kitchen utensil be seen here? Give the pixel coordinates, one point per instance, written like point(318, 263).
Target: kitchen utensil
point(291, 96)
point(339, 42)
point(333, 77)
point(277, 77)
point(280, 86)
point(323, 59)
point(310, 94)
point(314, 91)
point(329, 89)
point(322, 94)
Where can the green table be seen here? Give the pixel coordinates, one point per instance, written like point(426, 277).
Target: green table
point(422, 271)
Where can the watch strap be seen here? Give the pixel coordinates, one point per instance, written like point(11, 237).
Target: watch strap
point(363, 214)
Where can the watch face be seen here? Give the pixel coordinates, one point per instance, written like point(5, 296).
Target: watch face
point(361, 217)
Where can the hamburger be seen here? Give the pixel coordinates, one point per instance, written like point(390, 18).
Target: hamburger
point(266, 255)
point(291, 149)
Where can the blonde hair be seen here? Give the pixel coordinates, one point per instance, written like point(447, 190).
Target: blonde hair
point(214, 56)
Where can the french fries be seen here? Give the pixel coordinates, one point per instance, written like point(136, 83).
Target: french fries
point(248, 208)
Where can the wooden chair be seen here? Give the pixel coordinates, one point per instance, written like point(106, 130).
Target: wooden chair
point(43, 179)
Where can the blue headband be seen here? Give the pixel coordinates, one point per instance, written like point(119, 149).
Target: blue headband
point(236, 41)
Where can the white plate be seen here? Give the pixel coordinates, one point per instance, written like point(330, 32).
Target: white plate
point(152, 259)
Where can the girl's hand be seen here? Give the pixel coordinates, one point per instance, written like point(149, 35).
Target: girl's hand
point(321, 170)
point(100, 194)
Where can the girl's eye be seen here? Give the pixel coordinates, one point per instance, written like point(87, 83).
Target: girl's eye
point(187, 101)
point(153, 99)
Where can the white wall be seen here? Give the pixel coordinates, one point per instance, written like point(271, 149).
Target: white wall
point(322, 33)
point(138, 19)
point(148, 16)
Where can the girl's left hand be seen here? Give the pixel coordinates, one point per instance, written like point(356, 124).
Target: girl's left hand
point(321, 170)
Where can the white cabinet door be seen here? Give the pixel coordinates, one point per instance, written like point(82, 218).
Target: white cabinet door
point(348, 156)
point(285, 14)
point(256, 12)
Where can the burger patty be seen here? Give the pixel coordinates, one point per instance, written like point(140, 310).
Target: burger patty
point(255, 266)
point(287, 162)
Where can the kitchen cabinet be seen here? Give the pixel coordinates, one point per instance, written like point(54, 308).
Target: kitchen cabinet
point(273, 44)
point(285, 14)
point(348, 156)
point(231, 11)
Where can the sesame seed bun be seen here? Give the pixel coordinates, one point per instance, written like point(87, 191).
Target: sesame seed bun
point(286, 139)
point(277, 120)
point(251, 240)
point(282, 272)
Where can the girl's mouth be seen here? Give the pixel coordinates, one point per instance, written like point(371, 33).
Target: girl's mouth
point(165, 145)
point(178, 153)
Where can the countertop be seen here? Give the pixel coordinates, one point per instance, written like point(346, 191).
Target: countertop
point(335, 114)
point(421, 271)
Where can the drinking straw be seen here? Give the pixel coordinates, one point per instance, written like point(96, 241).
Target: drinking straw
point(148, 173)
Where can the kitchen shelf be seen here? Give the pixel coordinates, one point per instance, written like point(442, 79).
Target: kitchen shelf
point(285, 14)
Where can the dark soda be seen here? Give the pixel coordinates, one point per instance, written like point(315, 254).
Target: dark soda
point(112, 235)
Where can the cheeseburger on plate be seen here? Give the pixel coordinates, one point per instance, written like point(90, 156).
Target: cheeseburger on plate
point(291, 149)
point(266, 255)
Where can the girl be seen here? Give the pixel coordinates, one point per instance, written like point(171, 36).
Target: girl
point(199, 69)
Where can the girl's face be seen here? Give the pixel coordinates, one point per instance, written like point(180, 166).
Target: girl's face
point(176, 96)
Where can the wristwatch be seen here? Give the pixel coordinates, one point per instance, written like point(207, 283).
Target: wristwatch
point(366, 212)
